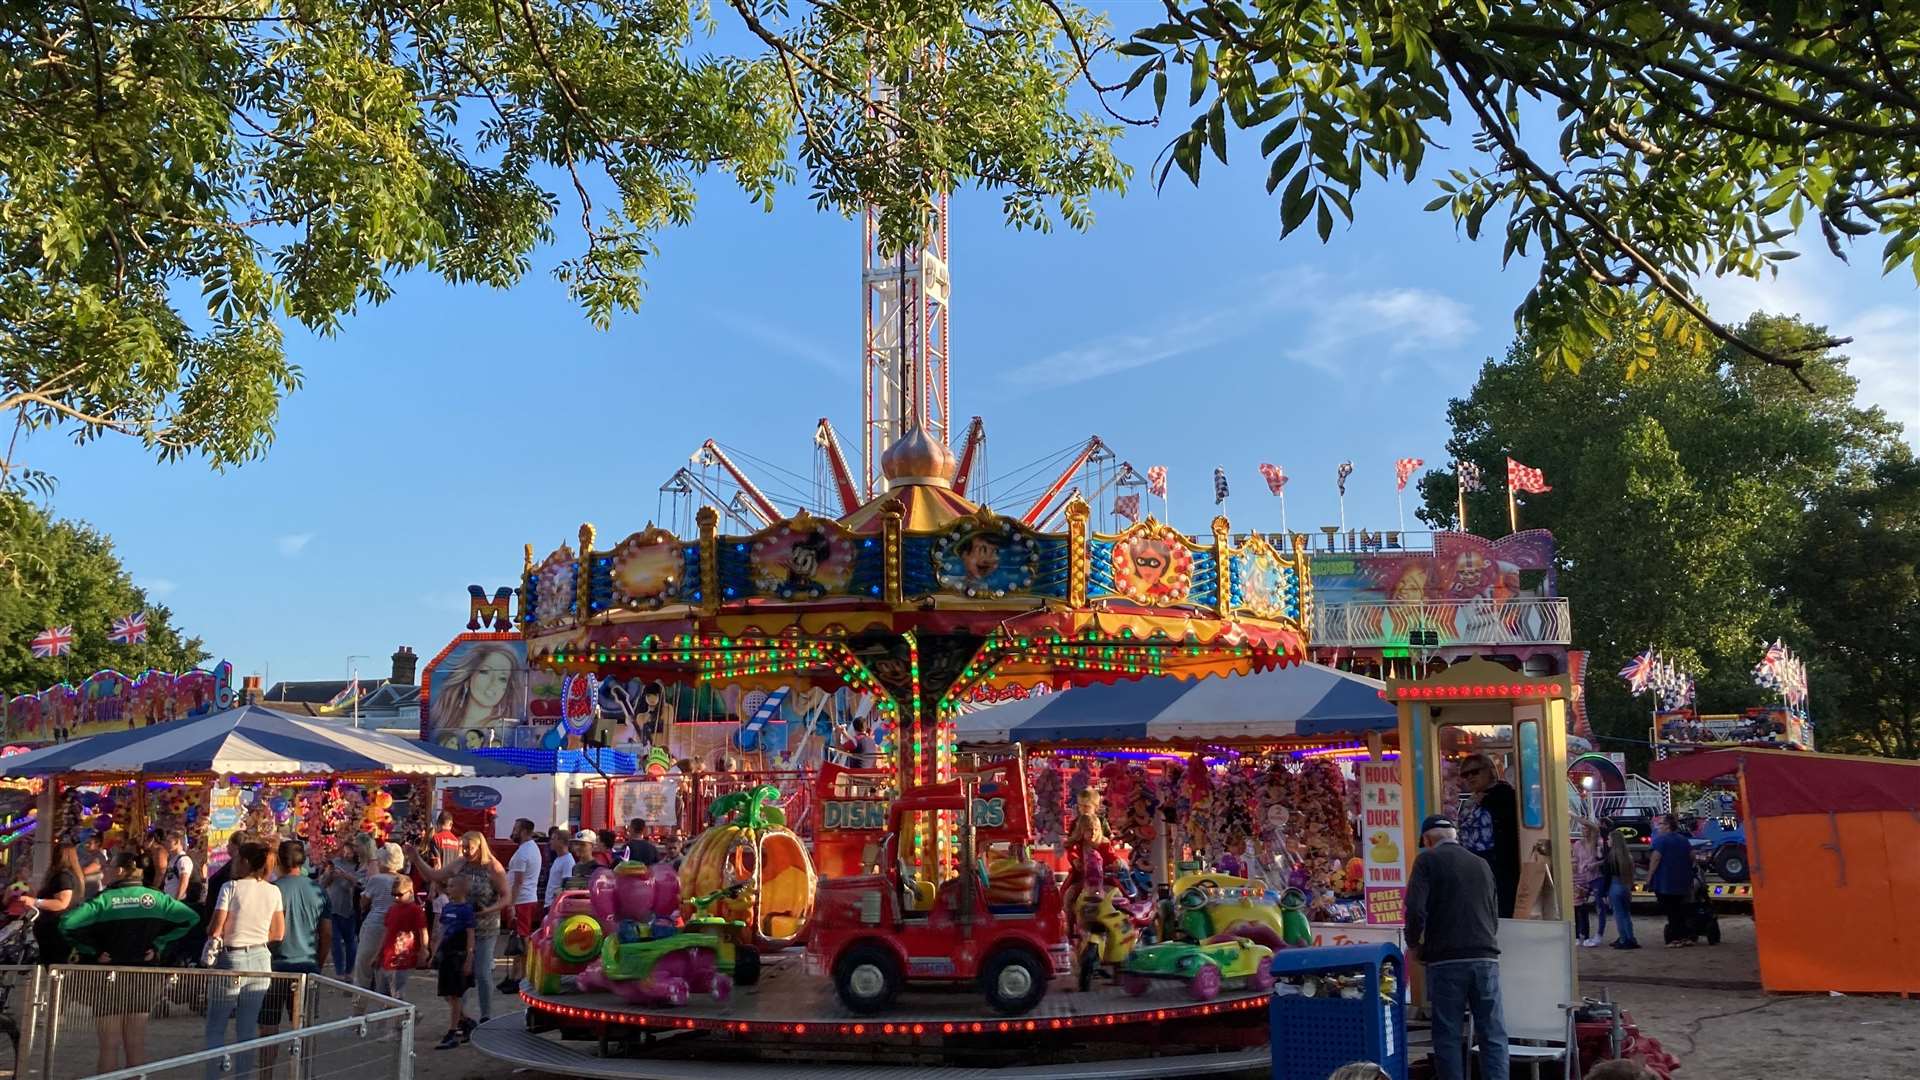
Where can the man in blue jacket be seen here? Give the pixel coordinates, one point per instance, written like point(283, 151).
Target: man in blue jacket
point(1453, 926)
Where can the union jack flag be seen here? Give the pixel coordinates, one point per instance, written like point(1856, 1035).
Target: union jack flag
point(1157, 480)
point(1127, 506)
point(1526, 478)
point(1346, 470)
point(1639, 673)
point(1276, 478)
point(53, 641)
point(1471, 478)
point(1403, 469)
point(129, 629)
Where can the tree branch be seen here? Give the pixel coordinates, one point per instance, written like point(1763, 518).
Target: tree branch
point(1733, 39)
point(1478, 99)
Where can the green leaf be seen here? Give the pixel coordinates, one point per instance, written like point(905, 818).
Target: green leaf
point(1277, 135)
point(1197, 86)
point(1283, 165)
point(1217, 133)
point(1160, 90)
point(1294, 204)
point(1136, 48)
point(1325, 221)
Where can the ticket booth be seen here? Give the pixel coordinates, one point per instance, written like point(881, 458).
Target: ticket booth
point(1520, 723)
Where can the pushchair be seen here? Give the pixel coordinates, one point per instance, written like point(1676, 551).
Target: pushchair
point(18, 949)
point(1702, 920)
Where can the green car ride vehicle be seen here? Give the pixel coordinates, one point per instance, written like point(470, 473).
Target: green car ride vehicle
point(1204, 968)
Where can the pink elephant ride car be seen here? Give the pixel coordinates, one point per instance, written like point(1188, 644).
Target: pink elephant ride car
point(646, 958)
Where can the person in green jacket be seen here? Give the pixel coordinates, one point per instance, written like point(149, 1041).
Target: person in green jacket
point(127, 925)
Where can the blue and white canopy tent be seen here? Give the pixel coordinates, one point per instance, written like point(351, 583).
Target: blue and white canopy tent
point(247, 741)
point(1299, 701)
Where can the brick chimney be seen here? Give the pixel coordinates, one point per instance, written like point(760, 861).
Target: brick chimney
point(404, 664)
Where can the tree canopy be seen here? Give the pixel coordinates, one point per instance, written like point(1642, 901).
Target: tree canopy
point(66, 573)
point(1632, 146)
point(1681, 504)
point(286, 159)
point(1857, 566)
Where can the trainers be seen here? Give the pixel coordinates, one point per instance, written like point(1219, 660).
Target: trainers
point(1626, 944)
point(508, 986)
point(450, 1041)
point(466, 1027)
point(1590, 943)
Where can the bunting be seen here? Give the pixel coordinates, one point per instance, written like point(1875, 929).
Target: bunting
point(1276, 478)
point(1157, 480)
point(1127, 506)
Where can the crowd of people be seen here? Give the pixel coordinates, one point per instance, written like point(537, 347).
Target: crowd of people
point(378, 912)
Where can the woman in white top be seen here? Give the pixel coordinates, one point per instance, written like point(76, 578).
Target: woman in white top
point(247, 917)
point(376, 896)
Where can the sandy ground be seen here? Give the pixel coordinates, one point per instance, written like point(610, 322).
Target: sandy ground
point(1706, 1006)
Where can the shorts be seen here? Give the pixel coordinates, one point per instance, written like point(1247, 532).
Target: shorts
point(278, 1004)
point(524, 918)
point(454, 980)
point(129, 995)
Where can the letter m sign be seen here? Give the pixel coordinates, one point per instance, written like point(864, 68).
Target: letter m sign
point(483, 613)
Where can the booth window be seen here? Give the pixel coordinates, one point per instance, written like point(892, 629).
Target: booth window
point(1533, 809)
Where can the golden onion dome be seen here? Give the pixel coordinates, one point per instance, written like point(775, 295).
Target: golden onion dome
point(918, 458)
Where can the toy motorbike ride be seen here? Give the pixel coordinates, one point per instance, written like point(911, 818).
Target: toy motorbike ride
point(734, 957)
point(1115, 915)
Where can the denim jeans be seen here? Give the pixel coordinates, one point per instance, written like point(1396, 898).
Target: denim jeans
point(484, 945)
point(366, 955)
point(1454, 989)
point(1621, 895)
point(346, 939)
point(391, 982)
point(1585, 915)
point(237, 1000)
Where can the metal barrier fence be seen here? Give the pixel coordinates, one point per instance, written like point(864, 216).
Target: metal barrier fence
point(122, 1023)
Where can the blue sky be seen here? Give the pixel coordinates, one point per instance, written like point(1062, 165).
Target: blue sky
point(439, 433)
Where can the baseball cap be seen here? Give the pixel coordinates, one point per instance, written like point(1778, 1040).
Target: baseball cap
point(1436, 821)
point(586, 836)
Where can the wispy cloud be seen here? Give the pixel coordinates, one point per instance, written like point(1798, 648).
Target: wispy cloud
point(1344, 326)
point(1124, 352)
point(844, 363)
point(1884, 354)
point(158, 587)
point(1326, 324)
point(292, 544)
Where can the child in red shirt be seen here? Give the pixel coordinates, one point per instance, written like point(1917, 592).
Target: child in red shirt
point(405, 946)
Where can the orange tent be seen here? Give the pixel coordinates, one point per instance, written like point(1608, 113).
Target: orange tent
point(1834, 842)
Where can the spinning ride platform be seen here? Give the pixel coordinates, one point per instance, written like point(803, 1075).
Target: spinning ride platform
point(789, 1022)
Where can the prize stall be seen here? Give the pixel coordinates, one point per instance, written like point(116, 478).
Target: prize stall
point(245, 768)
point(914, 603)
point(1256, 777)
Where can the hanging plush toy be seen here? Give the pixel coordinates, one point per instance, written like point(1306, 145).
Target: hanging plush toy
point(1049, 803)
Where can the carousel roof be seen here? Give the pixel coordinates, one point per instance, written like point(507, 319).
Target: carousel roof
point(1305, 699)
point(248, 741)
point(919, 472)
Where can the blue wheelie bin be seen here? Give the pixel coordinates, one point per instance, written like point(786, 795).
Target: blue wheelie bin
point(1338, 1004)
